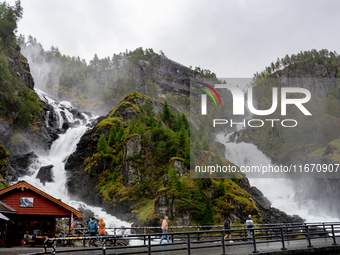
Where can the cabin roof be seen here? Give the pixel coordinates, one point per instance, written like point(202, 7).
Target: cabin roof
point(24, 185)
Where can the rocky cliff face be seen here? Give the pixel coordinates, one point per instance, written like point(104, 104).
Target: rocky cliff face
point(169, 75)
point(20, 64)
point(152, 74)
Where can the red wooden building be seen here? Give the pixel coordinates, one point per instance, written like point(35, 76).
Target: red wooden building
point(36, 211)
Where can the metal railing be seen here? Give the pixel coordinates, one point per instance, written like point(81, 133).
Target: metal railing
point(191, 240)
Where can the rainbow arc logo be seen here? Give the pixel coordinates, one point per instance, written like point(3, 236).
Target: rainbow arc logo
point(204, 97)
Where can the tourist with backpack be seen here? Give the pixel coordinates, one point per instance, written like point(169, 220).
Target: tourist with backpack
point(227, 227)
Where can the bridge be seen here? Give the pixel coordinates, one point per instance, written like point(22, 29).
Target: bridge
point(317, 238)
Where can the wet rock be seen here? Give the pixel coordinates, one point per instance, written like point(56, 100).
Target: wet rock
point(88, 114)
point(45, 174)
point(77, 114)
point(129, 217)
point(261, 200)
point(19, 164)
point(5, 131)
point(268, 213)
point(87, 214)
point(65, 126)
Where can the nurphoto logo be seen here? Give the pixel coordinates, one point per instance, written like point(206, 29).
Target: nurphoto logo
point(239, 105)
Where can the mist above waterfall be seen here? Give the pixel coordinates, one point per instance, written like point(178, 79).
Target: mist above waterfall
point(45, 70)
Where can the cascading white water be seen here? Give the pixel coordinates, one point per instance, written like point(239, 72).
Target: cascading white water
point(279, 191)
point(64, 146)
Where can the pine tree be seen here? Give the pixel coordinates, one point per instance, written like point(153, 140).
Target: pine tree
point(166, 112)
point(113, 134)
point(102, 147)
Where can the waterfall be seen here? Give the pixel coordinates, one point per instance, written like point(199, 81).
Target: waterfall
point(61, 148)
point(279, 191)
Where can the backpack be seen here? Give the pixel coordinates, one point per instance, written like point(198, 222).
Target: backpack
point(226, 225)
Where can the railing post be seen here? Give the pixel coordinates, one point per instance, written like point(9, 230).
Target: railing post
point(282, 240)
point(324, 228)
point(149, 245)
point(245, 232)
point(53, 248)
point(254, 240)
point(333, 235)
point(45, 247)
point(103, 246)
point(144, 236)
point(172, 236)
point(222, 242)
point(114, 240)
point(308, 237)
point(188, 248)
point(198, 234)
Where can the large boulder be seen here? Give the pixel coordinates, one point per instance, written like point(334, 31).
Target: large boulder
point(45, 174)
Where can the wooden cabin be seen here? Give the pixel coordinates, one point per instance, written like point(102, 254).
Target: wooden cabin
point(32, 212)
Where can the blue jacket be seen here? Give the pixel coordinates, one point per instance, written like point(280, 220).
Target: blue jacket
point(92, 226)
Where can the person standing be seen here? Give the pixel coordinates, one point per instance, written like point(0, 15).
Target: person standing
point(93, 228)
point(101, 226)
point(227, 227)
point(165, 229)
point(250, 225)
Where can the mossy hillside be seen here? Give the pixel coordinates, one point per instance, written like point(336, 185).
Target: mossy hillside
point(3, 185)
point(3, 165)
point(18, 103)
point(228, 197)
point(148, 176)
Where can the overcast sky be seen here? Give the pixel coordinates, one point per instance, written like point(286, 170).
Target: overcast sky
point(231, 38)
